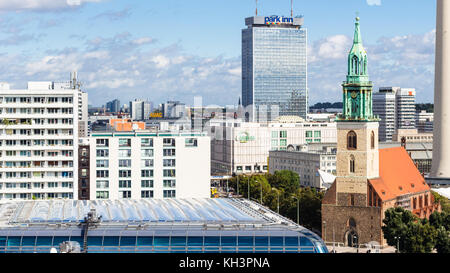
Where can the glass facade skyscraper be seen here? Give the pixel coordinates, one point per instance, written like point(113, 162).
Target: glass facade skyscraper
point(274, 68)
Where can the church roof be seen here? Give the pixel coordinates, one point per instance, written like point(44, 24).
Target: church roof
point(398, 175)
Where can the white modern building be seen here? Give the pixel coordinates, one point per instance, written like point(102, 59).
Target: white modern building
point(144, 164)
point(39, 132)
point(239, 147)
point(396, 109)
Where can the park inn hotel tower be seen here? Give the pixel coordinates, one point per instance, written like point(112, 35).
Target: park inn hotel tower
point(369, 181)
point(274, 68)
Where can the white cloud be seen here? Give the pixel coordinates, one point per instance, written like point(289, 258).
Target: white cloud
point(118, 67)
point(374, 2)
point(406, 61)
point(16, 5)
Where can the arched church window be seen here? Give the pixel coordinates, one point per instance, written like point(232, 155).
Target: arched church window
point(352, 164)
point(355, 65)
point(351, 140)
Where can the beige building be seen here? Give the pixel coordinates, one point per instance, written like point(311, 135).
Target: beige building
point(411, 135)
point(306, 164)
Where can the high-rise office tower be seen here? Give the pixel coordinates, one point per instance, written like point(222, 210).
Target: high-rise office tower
point(384, 108)
point(274, 68)
point(396, 108)
point(113, 106)
point(140, 109)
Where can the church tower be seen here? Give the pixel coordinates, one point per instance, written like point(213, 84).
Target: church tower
point(357, 152)
point(348, 215)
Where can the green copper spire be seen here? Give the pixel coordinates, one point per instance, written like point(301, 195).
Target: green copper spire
point(357, 58)
point(357, 93)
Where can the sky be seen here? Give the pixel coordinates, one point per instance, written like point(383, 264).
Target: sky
point(176, 49)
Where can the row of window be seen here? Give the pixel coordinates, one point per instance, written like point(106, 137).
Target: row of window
point(127, 194)
point(126, 163)
point(147, 142)
point(126, 152)
point(127, 173)
point(11, 175)
point(29, 196)
point(39, 185)
point(199, 241)
point(37, 142)
point(104, 184)
point(37, 132)
point(36, 99)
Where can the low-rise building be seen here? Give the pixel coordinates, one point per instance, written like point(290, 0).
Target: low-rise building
point(144, 164)
point(239, 147)
point(306, 164)
point(412, 135)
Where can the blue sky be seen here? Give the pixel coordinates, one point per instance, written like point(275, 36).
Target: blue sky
point(178, 49)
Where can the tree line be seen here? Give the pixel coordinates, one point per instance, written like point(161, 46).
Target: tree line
point(281, 192)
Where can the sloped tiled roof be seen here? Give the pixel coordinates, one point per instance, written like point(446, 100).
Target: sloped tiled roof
point(398, 175)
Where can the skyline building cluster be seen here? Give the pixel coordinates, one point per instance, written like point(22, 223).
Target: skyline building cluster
point(167, 160)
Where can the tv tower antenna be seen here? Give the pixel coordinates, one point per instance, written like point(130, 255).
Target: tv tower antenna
point(256, 7)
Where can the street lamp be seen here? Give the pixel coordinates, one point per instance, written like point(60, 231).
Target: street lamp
point(298, 209)
point(248, 187)
point(278, 200)
point(398, 244)
point(261, 191)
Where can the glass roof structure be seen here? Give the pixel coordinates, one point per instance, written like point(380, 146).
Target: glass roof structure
point(159, 222)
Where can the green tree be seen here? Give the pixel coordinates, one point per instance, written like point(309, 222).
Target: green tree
point(443, 241)
point(285, 180)
point(441, 222)
point(416, 235)
point(281, 188)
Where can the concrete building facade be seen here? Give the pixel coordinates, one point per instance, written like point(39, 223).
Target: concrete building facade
point(306, 164)
point(238, 147)
point(142, 165)
point(39, 141)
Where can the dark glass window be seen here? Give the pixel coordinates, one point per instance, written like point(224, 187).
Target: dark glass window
point(145, 241)
point(178, 241)
point(212, 241)
point(195, 241)
point(95, 241)
point(127, 241)
point(228, 241)
point(351, 140)
point(245, 241)
point(276, 241)
point(29, 241)
point(161, 241)
point(261, 241)
point(291, 241)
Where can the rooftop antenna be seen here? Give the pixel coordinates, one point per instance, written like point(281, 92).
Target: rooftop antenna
point(292, 8)
point(256, 7)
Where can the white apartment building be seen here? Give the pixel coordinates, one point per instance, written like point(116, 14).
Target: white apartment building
point(239, 147)
point(141, 164)
point(39, 129)
point(395, 107)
